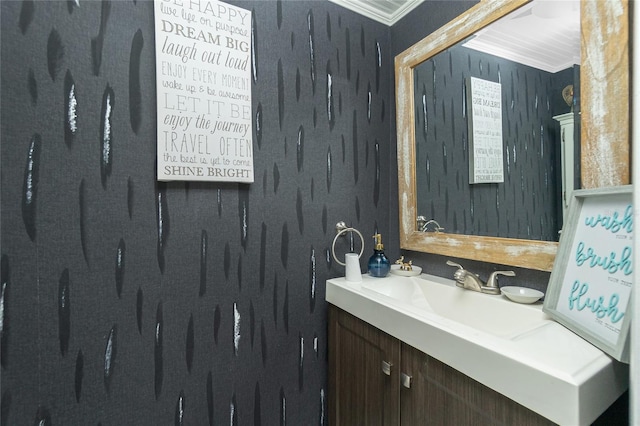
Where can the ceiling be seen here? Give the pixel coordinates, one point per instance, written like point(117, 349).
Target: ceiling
point(386, 11)
point(543, 34)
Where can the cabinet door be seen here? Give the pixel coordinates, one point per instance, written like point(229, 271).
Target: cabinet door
point(362, 391)
point(441, 395)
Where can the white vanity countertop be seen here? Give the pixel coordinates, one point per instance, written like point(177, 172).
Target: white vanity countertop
point(515, 349)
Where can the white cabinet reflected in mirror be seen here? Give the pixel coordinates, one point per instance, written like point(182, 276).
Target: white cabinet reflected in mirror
point(567, 122)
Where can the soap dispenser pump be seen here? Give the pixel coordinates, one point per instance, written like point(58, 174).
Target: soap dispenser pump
point(379, 265)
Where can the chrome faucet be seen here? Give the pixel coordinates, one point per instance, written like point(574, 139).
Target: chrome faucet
point(471, 281)
point(423, 224)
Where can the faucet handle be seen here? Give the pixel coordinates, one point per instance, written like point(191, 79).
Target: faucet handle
point(460, 275)
point(450, 263)
point(492, 282)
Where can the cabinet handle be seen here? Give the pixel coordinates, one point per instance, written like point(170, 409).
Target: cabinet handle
point(405, 379)
point(386, 367)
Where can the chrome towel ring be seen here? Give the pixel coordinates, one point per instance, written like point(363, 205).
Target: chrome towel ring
point(341, 229)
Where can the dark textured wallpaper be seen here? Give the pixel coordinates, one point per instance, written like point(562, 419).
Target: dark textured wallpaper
point(126, 301)
point(526, 204)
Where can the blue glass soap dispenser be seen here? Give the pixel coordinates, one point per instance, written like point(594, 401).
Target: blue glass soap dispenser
point(379, 265)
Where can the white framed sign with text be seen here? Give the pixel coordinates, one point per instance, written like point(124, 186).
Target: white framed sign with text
point(592, 278)
point(203, 86)
point(486, 157)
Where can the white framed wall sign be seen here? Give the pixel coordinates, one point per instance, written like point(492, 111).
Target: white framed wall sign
point(203, 86)
point(486, 157)
point(592, 278)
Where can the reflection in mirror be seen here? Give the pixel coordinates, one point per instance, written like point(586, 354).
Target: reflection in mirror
point(604, 130)
point(526, 202)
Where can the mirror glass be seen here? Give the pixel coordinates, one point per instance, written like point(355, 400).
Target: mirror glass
point(605, 107)
point(531, 58)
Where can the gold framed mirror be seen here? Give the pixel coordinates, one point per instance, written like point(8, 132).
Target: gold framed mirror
point(605, 158)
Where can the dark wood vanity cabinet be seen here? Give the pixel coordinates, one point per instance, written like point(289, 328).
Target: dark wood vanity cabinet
point(441, 395)
point(361, 393)
point(364, 386)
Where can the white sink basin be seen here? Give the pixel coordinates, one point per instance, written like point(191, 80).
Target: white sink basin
point(512, 348)
point(488, 313)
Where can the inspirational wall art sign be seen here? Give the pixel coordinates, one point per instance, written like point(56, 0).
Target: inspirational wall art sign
point(486, 158)
point(203, 82)
point(591, 281)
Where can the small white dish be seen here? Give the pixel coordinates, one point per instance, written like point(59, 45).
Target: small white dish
point(521, 294)
point(414, 272)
